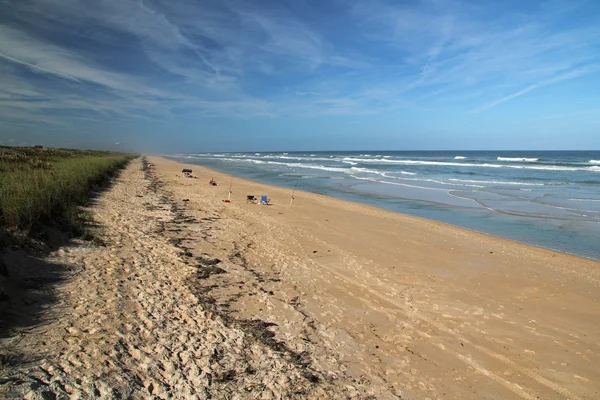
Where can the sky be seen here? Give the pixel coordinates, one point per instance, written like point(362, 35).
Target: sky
point(193, 75)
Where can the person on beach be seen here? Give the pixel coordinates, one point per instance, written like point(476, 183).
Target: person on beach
point(212, 182)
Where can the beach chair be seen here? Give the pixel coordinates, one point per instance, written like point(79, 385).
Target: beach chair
point(250, 199)
point(264, 200)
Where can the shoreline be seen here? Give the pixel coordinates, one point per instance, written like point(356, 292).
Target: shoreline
point(410, 301)
point(450, 225)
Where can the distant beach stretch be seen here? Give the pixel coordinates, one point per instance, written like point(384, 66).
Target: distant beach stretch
point(549, 199)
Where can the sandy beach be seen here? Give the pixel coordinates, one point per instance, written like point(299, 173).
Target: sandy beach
point(193, 297)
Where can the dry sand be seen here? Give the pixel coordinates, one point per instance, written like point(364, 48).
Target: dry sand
point(198, 298)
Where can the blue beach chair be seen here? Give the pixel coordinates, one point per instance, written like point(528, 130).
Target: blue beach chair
point(264, 200)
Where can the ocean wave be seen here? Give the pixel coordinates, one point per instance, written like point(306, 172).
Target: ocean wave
point(413, 186)
point(373, 171)
point(594, 161)
point(518, 159)
point(291, 158)
point(460, 158)
point(191, 155)
point(364, 178)
point(496, 182)
point(584, 200)
point(248, 160)
point(473, 165)
point(210, 155)
point(397, 183)
point(398, 178)
point(309, 166)
point(367, 171)
point(302, 158)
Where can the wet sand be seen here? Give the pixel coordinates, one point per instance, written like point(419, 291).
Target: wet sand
point(323, 298)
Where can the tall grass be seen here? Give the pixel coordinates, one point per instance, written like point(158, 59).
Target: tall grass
point(49, 185)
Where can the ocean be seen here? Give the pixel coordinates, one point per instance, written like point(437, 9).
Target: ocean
point(545, 198)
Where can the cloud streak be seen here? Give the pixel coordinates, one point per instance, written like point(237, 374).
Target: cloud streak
point(557, 79)
point(128, 62)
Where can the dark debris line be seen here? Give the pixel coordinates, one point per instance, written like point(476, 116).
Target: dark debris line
point(256, 329)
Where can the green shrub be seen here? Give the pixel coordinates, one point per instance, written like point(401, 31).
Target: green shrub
point(49, 185)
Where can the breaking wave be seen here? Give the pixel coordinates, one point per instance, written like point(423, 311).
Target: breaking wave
point(518, 159)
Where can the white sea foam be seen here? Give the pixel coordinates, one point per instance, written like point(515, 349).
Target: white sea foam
point(367, 170)
point(290, 158)
point(248, 160)
point(496, 182)
point(363, 178)
point(373, 171)
point(383, 161)
point(414, 186)
point(474, 165)
point(585, 199)
point(518, 159)
point(594, 161)
point(309, 166)
point(460, 158)
point(398, 178)
point(419, 162)
point(303, 158)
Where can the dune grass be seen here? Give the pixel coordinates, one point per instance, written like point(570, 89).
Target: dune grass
point(39, 186)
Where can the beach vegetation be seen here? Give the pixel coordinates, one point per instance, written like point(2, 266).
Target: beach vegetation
point(48, 186)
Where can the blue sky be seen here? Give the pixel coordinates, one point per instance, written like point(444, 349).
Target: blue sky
point(193, 75)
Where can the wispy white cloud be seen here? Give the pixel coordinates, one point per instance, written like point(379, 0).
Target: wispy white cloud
point(37, 67)
point(446, 46)
point(118, 61)
point(576, 73)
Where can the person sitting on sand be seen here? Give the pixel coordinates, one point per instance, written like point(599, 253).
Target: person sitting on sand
point(212, 182)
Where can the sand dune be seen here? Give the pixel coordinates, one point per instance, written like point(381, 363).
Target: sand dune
point(197, 298)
